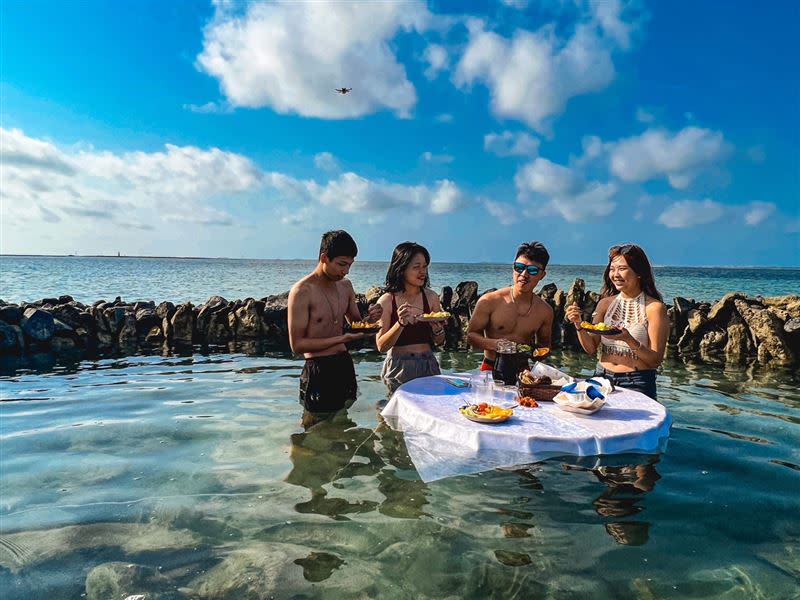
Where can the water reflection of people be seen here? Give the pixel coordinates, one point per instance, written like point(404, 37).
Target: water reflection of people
point(625, 487)
point(335, 448)
point(409, 343)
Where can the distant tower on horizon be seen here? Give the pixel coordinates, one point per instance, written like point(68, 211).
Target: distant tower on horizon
point(118, 254)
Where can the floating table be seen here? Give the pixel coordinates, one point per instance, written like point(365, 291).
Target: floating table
point(442, 443)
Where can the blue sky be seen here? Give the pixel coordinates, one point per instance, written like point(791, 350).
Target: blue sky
point(212, 129)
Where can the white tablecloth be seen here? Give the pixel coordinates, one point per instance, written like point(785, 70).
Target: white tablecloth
point(442, 443)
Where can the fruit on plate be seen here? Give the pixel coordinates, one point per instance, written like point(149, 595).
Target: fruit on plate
point(442, 314)
point(540, 352)
point(486, 411)
point(528, 401)
point(596, 326)
point(364, 325)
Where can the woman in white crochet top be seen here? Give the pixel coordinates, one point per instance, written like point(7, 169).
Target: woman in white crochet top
point(630, 302)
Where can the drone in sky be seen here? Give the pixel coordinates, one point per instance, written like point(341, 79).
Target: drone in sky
point(343, 90)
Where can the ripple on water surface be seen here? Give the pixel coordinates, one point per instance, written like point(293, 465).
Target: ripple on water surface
point(191, 477)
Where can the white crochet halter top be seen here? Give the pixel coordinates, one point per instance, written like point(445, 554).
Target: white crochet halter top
point(631, 314)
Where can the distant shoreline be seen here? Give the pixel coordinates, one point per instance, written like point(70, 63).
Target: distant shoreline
point(731, 267)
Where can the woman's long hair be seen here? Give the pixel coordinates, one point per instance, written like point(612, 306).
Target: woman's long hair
point(637, 260)
point(401, 257)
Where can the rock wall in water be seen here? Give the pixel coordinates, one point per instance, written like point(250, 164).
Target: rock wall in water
point(735, 329)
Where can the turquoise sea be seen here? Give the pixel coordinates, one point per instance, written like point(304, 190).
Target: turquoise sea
point(189, 476)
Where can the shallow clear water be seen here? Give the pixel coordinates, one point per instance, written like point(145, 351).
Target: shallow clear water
point(29, 278)
point(190, 477)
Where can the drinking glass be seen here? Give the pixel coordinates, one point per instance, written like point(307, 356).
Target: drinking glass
point(482, 387)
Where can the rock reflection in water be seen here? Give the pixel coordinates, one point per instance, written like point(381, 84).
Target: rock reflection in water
point(334, 448)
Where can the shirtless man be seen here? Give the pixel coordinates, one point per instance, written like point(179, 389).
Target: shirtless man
point(318, 305)
point(514, 313)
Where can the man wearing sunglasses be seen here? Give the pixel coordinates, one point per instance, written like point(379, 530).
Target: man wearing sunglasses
point(514, 313)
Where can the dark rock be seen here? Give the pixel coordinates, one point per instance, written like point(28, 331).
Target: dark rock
point(183, 322)
point(548, 293)
point(681, 307)
point(118, 302)
point(127, 333)
point(767, 331)
point(146, 319)
point(70, 315)
point(98, 303)
point(50, 301)
point(248, 321)
point(142, 304)
point(215, 302)
point(37, 325)
point(696, 320)
point(165, 310)
point(11, 339)
point(115, 318)
point(11, 314)
point(464, 298)
point(739, 345)
point(62, 329)
point(65, 299)
point(590, 301)
point(576, 292)
point(154, 336)
point(447, 298)
point(723, 307)
point(372, 294)
point(62, 344)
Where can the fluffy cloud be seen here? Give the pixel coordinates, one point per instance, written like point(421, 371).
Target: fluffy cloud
point(505, 213)
point(532, 75)
point(658, 153)
point(511, 144)
point(442, 159)
point(690, 213)
point(437, 59)
point(757, 212)
point(565, 192)
point(289, 56)
point(326, 161)
point(42, 182)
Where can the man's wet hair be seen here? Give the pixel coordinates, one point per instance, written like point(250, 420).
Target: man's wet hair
point(337, 243)
point(535, 252)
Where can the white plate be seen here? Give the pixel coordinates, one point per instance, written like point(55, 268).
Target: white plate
point(583, 408)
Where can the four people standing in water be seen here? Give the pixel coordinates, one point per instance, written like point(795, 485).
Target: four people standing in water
point(320, 302)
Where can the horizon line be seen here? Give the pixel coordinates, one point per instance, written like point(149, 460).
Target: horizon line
point(373, 261)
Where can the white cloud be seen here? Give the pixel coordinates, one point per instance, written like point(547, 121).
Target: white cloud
point(209, 107)
point(326, 162)
point(757, 212)
point(658, 153)
point(690, 213)
point(446, 198)
point(437, 59)
point(441, 159)
point(44, 183)
point(511, 144)
point(444, 118)
point(565, 192)
point(505, 213)
point(644, 116)
point(289, 56)
point(532, 75)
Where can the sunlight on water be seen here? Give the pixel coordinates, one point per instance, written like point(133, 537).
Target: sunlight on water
point(190, 477)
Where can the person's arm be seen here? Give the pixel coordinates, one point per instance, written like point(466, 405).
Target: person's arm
point(388, 334)
point(476, 332)
point(437, 328)
point(299, 306)
point(658, 332)
point(544, 334)
point(352, 313)
point(589, 342)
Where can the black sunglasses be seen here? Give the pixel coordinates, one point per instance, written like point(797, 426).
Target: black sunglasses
point(533, 270)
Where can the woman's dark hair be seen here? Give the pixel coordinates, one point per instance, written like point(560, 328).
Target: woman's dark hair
point(337, 243)
point(401, 257)
point(637, 260)
point(534, 251)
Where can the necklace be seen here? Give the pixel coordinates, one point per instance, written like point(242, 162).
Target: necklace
point(530, 306)
point(334, 313)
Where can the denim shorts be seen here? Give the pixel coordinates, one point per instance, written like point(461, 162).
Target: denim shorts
point(643, 381)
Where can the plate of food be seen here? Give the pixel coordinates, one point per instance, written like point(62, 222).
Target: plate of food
point(486, 413)
point(362, 327)
point(599, 328)
point(535, 353)
point(433, 317)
